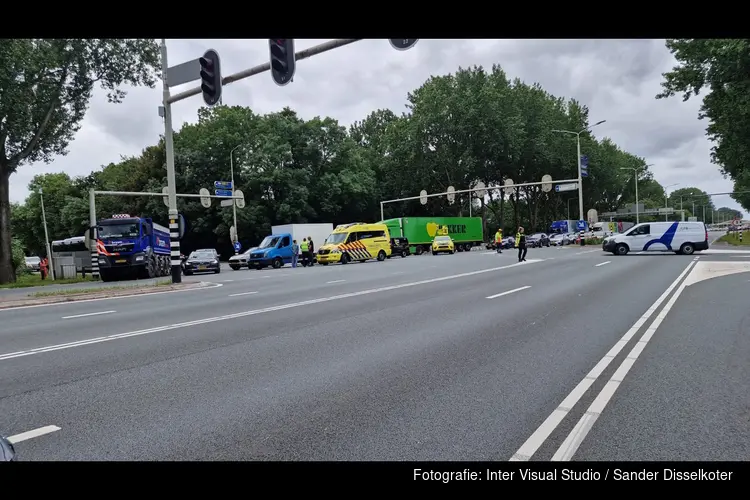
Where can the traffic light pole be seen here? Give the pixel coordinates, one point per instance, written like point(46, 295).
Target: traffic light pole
point(174, 235)
point(256, 70)
point(168, 100)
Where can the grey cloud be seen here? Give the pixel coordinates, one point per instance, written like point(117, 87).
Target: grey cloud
point(616, 79)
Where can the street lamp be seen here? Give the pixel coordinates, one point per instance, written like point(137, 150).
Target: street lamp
point(234, 204)
point(666, 199)
point(635, 170)
point(580, 177)
point(46, 235)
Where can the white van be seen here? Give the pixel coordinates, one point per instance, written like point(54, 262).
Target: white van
point(678, 237)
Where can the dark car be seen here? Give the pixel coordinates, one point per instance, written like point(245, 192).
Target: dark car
point(537, 240)
point(202, 261)
point(399, 246)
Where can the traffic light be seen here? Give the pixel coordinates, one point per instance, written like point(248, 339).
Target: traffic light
point(210, 77)
point(403, 43)
point(283, 61)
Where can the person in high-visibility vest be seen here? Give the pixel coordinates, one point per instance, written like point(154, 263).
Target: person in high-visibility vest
point(305, 247)
point(499, 240)
point(521, 245)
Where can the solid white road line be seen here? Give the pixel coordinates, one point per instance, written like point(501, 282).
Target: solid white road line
point(603, 263)
point(573, 441)
point(588, 251)
point(215, 319)
point(227, 281)
point(540, 435)
point(47, 429)
point(243, 293)
point(117, 297)
point(509, 292)
point(334, 281)
point(87, 314)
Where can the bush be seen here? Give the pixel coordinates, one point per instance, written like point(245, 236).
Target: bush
point(19, 262)
point(594, 241)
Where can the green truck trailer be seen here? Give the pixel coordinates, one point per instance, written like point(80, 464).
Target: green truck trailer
point(466, 232)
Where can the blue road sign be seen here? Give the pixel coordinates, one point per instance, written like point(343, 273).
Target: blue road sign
point(223, 192)
point(222, 185)
point(581, 225)
point(237, 246)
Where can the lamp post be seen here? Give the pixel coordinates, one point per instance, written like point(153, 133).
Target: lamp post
point(666, 199)
point(578, 149)
point(635, 170)
point(46, 235)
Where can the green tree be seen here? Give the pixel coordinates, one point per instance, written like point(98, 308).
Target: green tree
point(45, 88)
point(722, 68)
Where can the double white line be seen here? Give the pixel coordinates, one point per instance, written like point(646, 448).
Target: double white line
point(569, 447)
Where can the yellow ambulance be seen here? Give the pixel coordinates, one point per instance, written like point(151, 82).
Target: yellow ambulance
point(357, 241)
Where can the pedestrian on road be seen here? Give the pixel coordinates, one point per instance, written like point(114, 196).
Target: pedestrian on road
point(499, 240)
point(521, 245)
point(311, 250)
point(304, 246)
point(295, 253)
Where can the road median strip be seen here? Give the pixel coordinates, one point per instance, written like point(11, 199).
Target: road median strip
point(77, 294)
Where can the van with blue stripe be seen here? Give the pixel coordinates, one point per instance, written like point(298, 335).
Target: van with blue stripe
point(682, 238)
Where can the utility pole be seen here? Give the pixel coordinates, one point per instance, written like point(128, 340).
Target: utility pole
point(46, 235)
point(234, 204)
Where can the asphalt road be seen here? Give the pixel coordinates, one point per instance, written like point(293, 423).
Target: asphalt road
point(463, 357)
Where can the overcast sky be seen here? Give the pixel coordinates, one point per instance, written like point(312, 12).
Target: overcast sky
point(617, 80)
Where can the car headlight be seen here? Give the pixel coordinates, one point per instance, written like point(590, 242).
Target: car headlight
point(335, 250)
point(265, 254)
point(214, 261)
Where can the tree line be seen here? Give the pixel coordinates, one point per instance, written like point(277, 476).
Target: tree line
point(457, 129)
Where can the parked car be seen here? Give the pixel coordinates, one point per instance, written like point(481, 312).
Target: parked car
point(33, 263)
point(202, 261)
point(399, 246)
point(537, 240)
point(559, 240)
point(237, 262)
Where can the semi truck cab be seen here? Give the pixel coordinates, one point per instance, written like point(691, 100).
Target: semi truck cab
point(135, 247)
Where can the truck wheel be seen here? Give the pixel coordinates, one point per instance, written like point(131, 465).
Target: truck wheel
point(277, 263)
point(687, 249)
point(381, 256)
point(420, 250)
point(622, 249)
point(106, 277)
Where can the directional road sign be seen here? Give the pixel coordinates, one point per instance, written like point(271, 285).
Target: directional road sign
point(237, 246)
point(223, 192)
point(566, 187)
point(581, 225)
point(584, 166)
point(222, 185)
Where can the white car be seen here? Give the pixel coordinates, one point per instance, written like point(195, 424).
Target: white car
point(237, 262)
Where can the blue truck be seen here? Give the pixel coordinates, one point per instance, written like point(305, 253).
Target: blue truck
point(276, 249)
point(134, 247)
point(566, 227)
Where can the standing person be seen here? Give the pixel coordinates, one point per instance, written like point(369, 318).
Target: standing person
point(295, 253)
point(521, 245)
point(499, 240)
point(304, 247)
point(43, 268)
point(311, 249)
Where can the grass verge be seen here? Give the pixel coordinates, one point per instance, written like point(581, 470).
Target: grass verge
point(29, 280)
point(734, 239)
point(88, 291)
